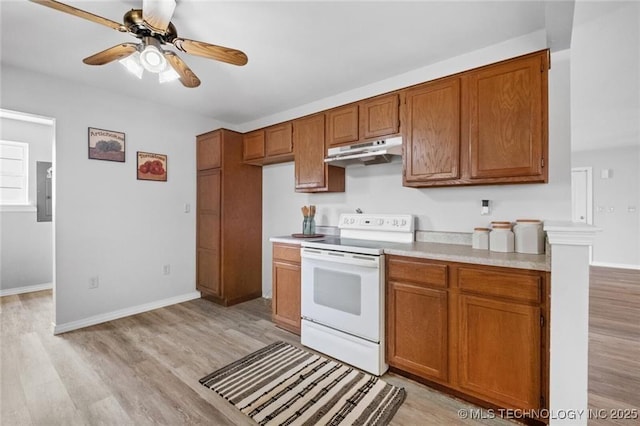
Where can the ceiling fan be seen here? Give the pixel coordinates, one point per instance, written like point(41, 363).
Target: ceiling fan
point(152, 25)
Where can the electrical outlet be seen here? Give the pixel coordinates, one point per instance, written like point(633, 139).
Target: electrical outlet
point(166, 269)
point(94, 282)
point(187, 207)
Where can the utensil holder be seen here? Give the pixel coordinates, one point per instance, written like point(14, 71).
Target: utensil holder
point(309, 226)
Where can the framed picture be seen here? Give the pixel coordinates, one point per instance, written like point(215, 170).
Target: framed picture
point(106, 145)
point(152, 166)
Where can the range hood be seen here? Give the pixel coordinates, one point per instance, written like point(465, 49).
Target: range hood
point(367, 153)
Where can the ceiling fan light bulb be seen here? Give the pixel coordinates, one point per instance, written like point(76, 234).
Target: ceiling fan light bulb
point(132, 64)
point(152, 59)
point(168, 75)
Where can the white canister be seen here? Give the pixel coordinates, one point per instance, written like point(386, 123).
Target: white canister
point(501, 238)
point(480, 238)
point(529, 236)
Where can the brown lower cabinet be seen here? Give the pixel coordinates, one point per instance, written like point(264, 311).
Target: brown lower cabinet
point(286, 287)
point(479, 331)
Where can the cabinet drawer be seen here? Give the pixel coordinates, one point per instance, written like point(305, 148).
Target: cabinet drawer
point(286, 252)
point(417, 271)
point(515, 286)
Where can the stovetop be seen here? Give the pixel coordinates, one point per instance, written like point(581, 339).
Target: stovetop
point(351, 245)
point(368, 233)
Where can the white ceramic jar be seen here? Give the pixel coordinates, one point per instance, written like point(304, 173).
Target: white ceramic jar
point(501, 238)
point(480, 238)
point(529, 236)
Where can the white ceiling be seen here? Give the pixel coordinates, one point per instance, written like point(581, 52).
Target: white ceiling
point(298, 52)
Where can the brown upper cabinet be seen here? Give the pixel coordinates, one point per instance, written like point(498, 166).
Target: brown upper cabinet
point(268, 146)
point(508, 118)
point(380, 116)
point(279, 140)
point(342, 125)
point(484, 126)
point(209, 151)
point(432, 132)
point(312, 174)
point(253, 146)
point(368, 119)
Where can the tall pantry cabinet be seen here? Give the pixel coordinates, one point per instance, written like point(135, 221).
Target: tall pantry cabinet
point(229, 220)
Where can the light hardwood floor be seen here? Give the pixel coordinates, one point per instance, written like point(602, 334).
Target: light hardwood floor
point(614, 342)
point(145, 369)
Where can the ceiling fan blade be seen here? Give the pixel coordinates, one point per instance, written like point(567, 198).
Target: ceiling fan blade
point(157, 14)
point(81, 13)
point(187, 77)
point(211, 51)
point(111, 54)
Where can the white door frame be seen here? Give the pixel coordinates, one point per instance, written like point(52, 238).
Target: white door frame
point(49, 121)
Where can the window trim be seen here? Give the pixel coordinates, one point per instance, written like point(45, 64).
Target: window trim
point(25, 202)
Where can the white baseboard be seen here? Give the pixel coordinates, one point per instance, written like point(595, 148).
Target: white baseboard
point(26, 289)
point(615, 265)
point(121, 313)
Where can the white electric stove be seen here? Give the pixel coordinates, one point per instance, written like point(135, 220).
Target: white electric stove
point(343, 288)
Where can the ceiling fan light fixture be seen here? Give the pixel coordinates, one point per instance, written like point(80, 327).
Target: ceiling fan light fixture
point(168, 75)
point(151, 57)
point(133, 65)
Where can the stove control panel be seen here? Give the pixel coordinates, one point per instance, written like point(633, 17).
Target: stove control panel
point(377, 222)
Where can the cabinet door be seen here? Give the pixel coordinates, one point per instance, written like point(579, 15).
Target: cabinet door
point(278, 140)
point(209, 150)
point(499, 351)
point(417, 330)
point(342, 125)
point(311, 172)
point(286, 295)
point(253, 145)
point(432, 132)
point(508, 111)
point(208, 232)
point(380, 116)
point(308, 136)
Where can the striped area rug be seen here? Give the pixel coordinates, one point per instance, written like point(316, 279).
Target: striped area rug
point(285, 385)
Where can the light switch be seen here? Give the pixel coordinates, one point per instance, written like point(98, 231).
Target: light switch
point(484, 211)
point(605, 173)
point(187, 207)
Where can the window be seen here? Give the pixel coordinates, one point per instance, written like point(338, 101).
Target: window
point(14, 173)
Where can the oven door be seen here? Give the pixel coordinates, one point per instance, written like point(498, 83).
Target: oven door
point(343, 291)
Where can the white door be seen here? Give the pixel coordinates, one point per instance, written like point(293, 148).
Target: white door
point(581, 195)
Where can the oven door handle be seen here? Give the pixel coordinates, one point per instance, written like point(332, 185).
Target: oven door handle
point(340, 257)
